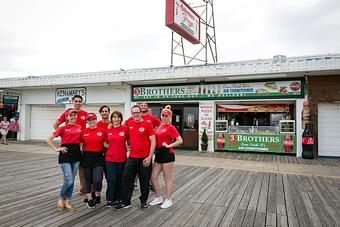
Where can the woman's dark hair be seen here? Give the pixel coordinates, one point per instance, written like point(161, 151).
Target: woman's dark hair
point(119, 114)
point(102, 107)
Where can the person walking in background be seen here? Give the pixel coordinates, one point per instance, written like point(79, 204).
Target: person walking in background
point(14, 128)
point(142, 145)
point(4, 127)
point(69, 157)
point(115, 159)
point(92, 160)
point(77, 101)
point(167, 137)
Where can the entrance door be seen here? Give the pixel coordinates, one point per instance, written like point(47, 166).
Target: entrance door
point(177, 120)
point(190, 127)
point(185, 119)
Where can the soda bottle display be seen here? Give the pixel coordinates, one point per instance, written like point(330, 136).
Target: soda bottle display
point(288, 144)
point(308, 142)
point(220, 141)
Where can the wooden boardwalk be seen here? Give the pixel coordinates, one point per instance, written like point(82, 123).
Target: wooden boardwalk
point(265, 157)
point(29, 186)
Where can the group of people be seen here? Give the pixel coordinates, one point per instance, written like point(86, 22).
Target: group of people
point(101, 149)
point(6, 127)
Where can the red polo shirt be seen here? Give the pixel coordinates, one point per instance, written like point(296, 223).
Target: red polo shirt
point(81, 118)
point(102, 125)
point(116, 138)
point(93, 139)
point(148, 117)
point(166, 133)
point(139, 133)
point(68, 133)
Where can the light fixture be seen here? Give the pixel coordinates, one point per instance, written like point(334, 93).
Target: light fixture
point(260, 76)
point(164, 81)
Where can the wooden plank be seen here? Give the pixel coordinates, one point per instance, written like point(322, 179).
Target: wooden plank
point(242, 207)
point(260, 216)
point(313, 216)
point(228, 216)
point(281, 213)
point(251, 209)
point(271, 205)
point(291, 212)
point(323, 210)
point(300, 208)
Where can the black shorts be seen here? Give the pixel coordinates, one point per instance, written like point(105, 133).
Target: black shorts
point(162, 155)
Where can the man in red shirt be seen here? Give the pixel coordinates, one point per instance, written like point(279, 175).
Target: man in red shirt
point(146, 116)
point(142, 146)
point(77, 101)
point(105, 114)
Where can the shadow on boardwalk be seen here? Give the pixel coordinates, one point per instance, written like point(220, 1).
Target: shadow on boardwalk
point(203, 196)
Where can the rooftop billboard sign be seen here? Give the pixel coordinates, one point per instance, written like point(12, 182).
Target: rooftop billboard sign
point(183, 20)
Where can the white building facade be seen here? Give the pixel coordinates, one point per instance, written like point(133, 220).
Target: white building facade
point(268, 93)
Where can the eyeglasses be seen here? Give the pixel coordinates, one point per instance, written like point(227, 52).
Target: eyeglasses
point(163, 115)
point(135, 112)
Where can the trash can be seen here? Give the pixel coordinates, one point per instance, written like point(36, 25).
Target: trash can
point(308, 142)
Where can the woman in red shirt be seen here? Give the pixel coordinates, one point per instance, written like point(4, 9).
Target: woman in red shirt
point(92, 160)
point(167, 137)
point(69, 156)
point(115, 159)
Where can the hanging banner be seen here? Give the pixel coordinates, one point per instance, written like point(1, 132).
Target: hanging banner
point(244, 90)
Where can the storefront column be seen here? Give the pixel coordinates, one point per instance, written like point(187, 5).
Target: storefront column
point(299, 129)
point(128, 104)
point(24, 122)
point(206, 121)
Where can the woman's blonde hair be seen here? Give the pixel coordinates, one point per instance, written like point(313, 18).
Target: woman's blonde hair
point(168, 108)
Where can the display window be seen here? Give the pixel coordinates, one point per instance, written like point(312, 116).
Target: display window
point(255, 128)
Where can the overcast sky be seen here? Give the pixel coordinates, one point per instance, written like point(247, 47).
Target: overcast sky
point(43, 37)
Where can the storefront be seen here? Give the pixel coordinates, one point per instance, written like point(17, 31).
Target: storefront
point(254, 116)
point(256, 127)
point(40, 108)
point(9, 100)
point(324, 103)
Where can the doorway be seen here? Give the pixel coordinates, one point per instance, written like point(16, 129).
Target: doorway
point(185, 119)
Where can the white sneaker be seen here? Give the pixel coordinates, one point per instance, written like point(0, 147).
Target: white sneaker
point(167, 203)
point(156, 201)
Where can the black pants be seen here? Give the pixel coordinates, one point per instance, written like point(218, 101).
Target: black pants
point(114, 181)
point(133, 167)
point(93, 175)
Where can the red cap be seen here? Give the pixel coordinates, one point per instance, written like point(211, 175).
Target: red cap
point(70, 111)
point(91, 115)
point(166, 112)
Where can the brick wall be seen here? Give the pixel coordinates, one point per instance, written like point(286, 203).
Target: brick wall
point(321, 89)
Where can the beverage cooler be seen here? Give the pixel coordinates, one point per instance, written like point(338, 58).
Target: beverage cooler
point(255, 132)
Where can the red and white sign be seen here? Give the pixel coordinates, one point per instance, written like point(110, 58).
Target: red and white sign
point(183, 20)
